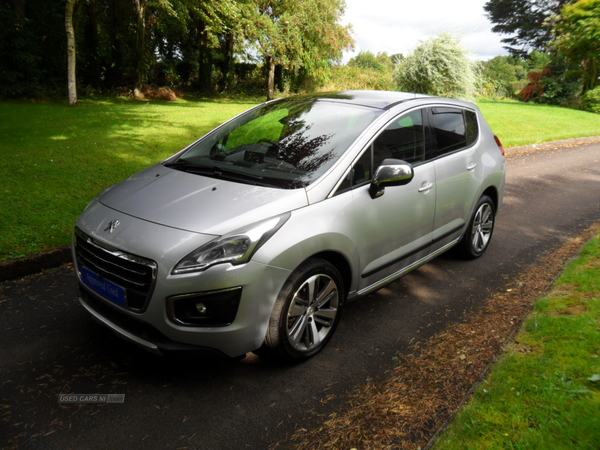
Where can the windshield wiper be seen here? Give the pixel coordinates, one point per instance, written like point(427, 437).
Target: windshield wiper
point(228, 171)
point(217, 172)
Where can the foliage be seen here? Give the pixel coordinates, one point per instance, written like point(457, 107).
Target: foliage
point(525, 21)
point(367, 60)
point(30, 66)
point(303, 36)
point(351, 77)
point(557, 84)
point(439, 66)
point(501, 74)
point(193, 45)
point(591, 100)
point(577, 31)
point(504, 76)
point(538, 61)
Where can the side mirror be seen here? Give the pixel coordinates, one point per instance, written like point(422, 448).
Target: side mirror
point(391, 172)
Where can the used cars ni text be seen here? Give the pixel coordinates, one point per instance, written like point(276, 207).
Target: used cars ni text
point(255, 236)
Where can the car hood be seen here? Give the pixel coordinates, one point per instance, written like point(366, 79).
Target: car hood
point(196, 203)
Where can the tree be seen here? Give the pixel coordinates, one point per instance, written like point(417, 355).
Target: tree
point(577, 31)
point(71, 53)
point(526, 21)
point(439, 66)
point(297, 35)
point(367, 60)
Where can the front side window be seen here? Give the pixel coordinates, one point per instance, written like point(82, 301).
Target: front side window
point(401, 139)
point(286, 144)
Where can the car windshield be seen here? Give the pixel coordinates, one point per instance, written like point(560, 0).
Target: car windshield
point(286, 144)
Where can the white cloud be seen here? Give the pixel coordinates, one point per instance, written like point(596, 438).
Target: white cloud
point(398, 26)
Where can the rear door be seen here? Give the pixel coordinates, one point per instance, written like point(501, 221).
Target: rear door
point(458, 170)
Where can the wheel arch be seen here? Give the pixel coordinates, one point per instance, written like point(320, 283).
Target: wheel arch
point(341, 264)
point(492, 193)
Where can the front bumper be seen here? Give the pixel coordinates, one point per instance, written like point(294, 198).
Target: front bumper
point(149, 322)
point(138, 332)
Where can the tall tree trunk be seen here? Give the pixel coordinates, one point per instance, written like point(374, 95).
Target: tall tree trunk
point(205, 59)
point(71, 53)
point(140, 44)
point(271, 81)
point(228, 62)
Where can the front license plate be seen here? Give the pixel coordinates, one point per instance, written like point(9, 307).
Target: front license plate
point(106, 288)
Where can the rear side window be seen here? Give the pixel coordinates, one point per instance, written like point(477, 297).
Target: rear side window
point(453, 129)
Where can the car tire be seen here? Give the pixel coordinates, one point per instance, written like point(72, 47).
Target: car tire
point(306, 312)
point(480, 228)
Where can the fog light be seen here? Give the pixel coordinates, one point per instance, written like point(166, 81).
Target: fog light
point(213, 308)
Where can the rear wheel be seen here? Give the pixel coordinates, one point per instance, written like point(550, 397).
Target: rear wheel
point(480, 229)
point(306, 312)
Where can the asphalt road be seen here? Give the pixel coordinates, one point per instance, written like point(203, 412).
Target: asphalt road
point(49, 346)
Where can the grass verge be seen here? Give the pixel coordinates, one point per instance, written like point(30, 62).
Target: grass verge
point(545, 390)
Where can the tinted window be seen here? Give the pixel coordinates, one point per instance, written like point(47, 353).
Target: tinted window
point(472, 127)
point(360, 173)
point(286, 144)
point(402, 139)
point(448, 129)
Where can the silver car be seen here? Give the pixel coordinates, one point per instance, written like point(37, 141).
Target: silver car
point(254, 237)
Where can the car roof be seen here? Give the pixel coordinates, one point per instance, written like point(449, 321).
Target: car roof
point(373, 99)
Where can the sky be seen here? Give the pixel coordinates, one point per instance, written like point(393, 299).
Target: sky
point(398, 26)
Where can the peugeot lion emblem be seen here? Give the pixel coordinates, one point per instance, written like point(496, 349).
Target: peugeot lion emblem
point(112, 225)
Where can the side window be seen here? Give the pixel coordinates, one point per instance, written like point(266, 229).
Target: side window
point(361, 172)
point(472, 127)
point(448, 129)
point(402, 139)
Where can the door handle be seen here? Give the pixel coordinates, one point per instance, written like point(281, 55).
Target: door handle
point(426, 187)
point(471, 166)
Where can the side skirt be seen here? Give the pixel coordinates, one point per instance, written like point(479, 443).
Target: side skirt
point(379, 284)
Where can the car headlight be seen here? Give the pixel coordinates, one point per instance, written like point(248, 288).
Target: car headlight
point(234, 248)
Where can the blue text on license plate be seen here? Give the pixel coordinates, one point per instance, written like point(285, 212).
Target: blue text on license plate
point(104, 287)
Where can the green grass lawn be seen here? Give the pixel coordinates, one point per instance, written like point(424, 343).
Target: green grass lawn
point(545, 391)
point(56, 158)
point(517, 123)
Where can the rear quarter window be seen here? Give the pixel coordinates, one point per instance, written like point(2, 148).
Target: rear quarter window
point(472, 127)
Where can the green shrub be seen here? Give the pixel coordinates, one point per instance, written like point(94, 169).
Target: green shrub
point(591, 100)
point(439, 66)
point(347, 77)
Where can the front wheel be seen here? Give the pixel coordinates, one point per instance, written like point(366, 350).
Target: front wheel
point(306, 312)
point(480, 228)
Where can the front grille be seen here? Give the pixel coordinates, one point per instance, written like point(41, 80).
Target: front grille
point(133, 273)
